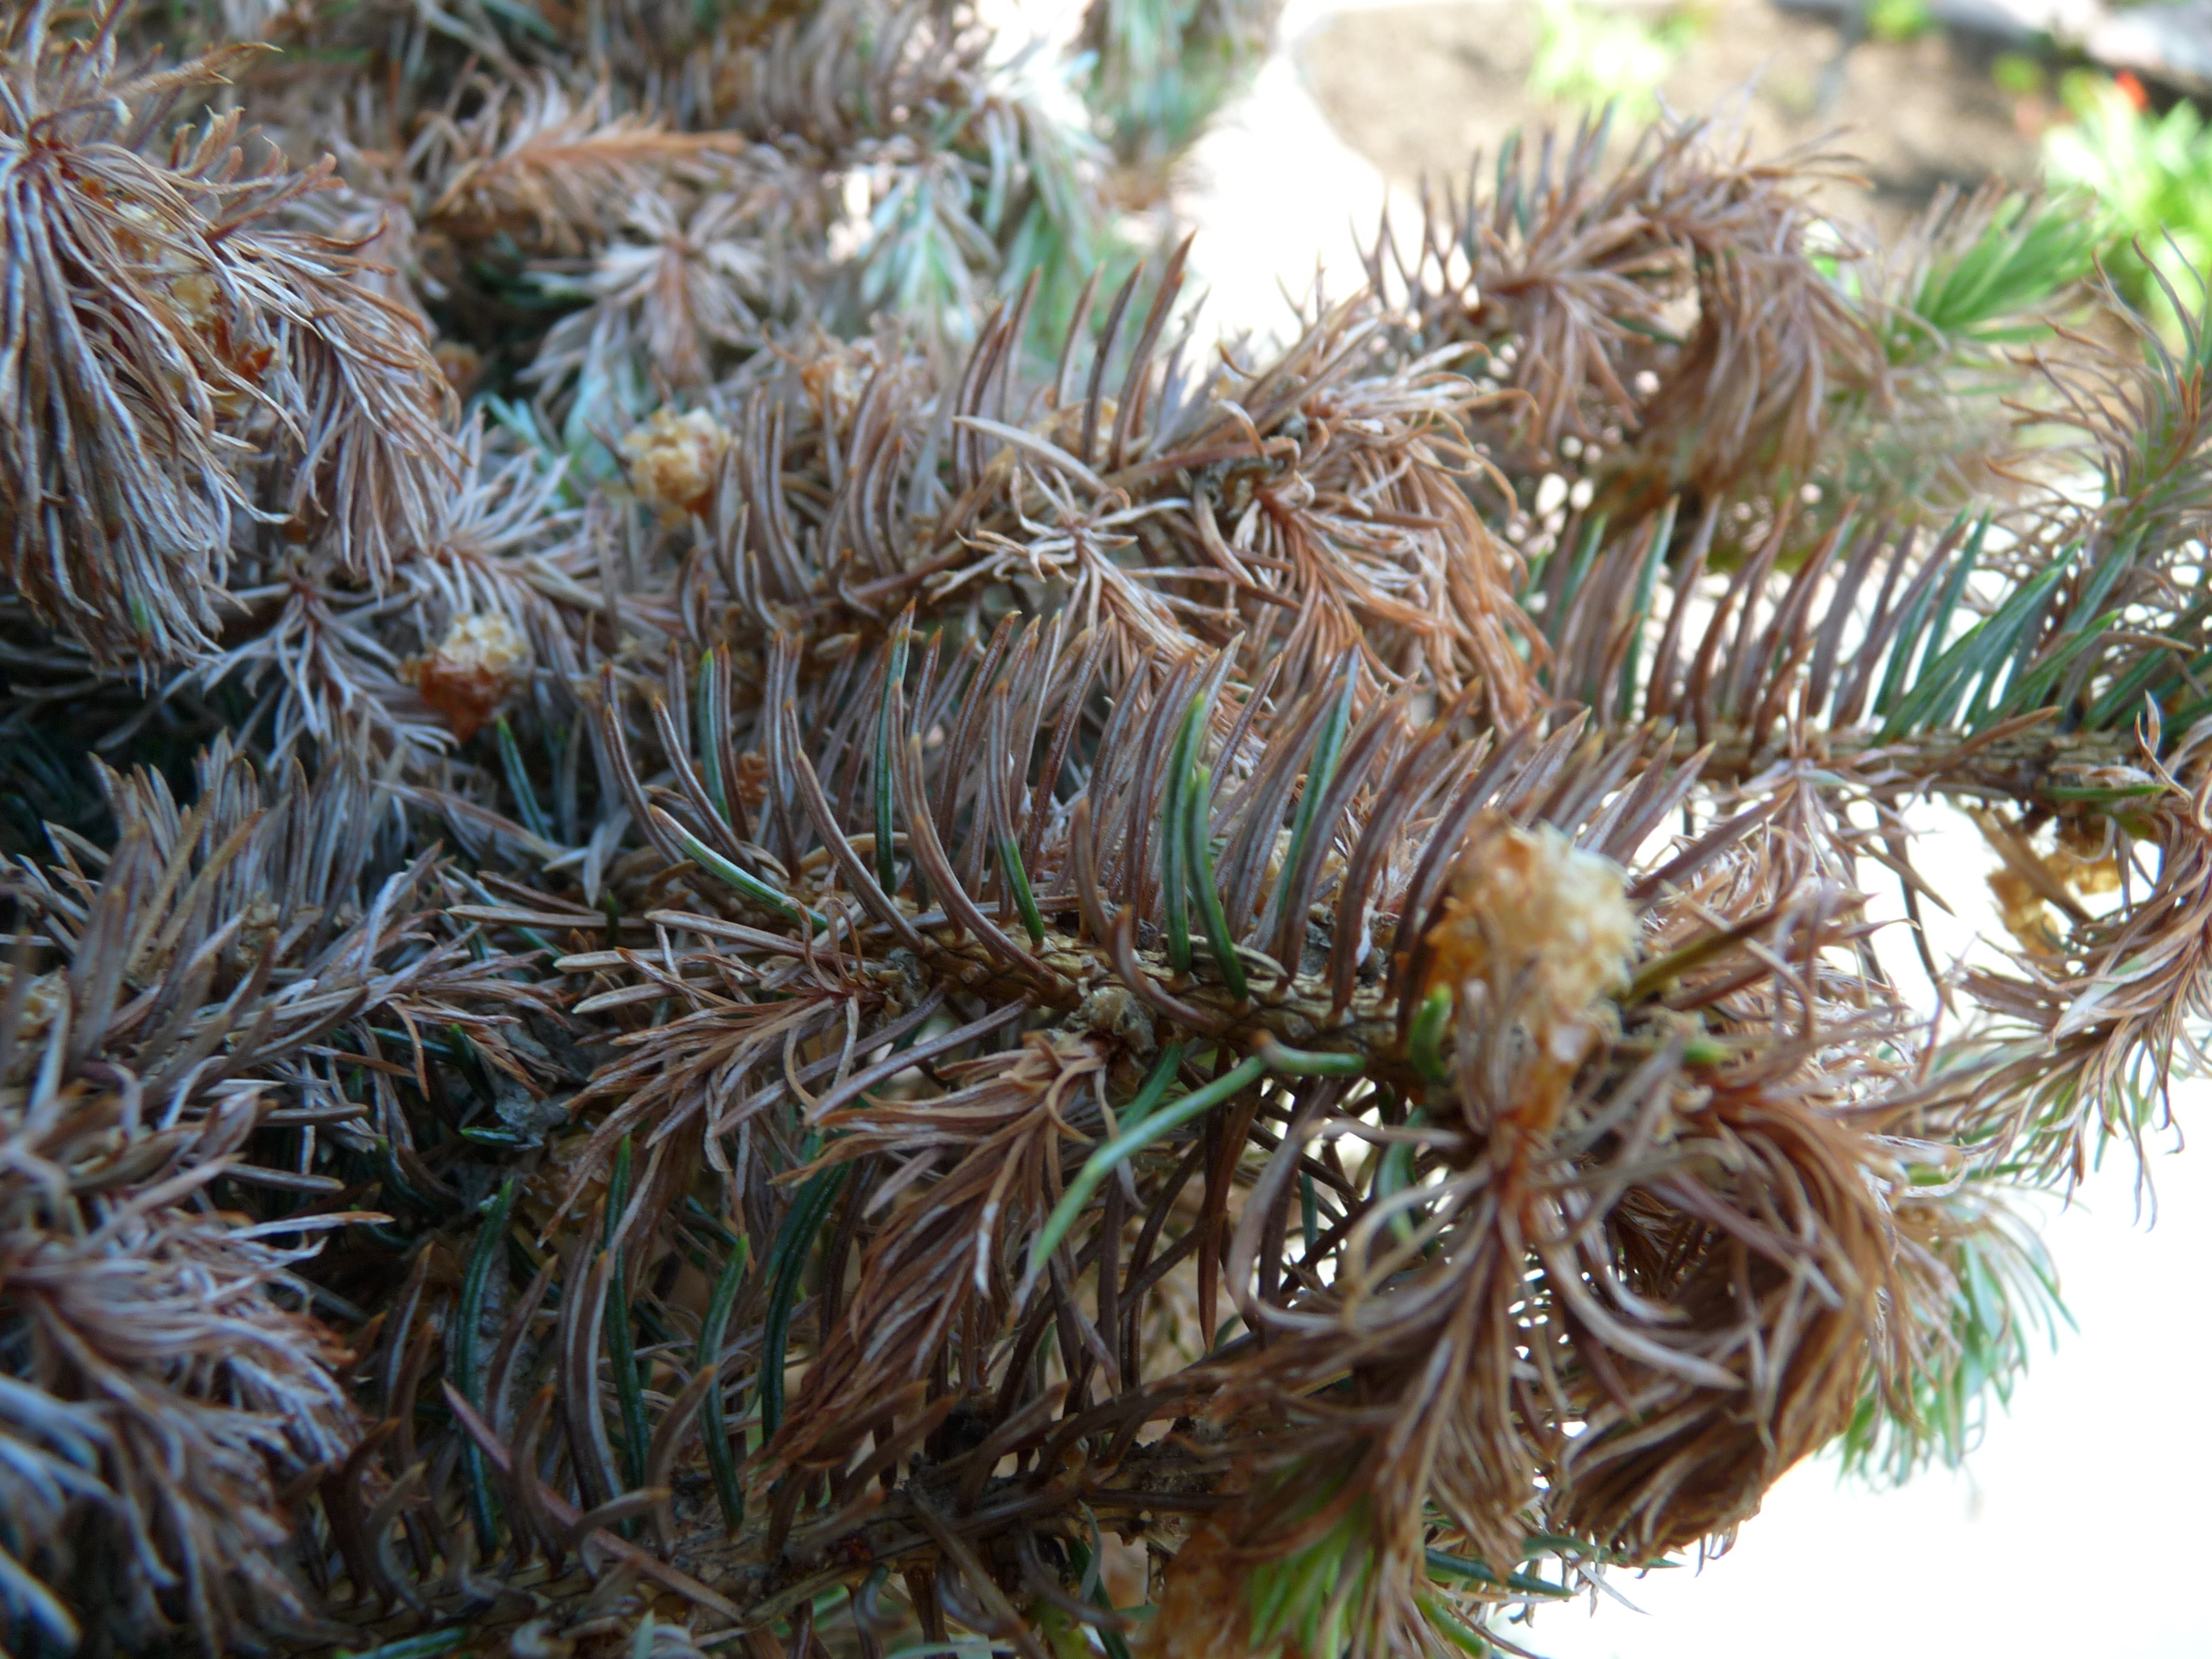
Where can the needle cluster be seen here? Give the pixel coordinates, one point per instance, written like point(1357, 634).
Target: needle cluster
point(746, 915)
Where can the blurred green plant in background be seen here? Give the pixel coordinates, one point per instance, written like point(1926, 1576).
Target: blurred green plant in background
point(2146, 176)
point(1597, 55)
point(1899, 20)
point(1975, 280)
point(1159, 69)
point(2018, 73)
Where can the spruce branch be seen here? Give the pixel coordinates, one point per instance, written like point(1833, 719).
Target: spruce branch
point(886, 916)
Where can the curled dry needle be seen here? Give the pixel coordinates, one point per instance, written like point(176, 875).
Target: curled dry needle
point(1791, 1313)
point(1688, 1251)
point(175, 1012)
point(168, 337)
point(490, 606)
point(1318, 496)
point(2089, 1032)
point(1703, 1149)
point(556, 173)
point(675, 289)
point(486, 602)
point(841, 969)
point(1668, 311)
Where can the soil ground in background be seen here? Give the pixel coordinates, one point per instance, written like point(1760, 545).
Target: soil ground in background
point(1418, 89)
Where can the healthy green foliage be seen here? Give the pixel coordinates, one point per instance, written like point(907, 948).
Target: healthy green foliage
point(2146, 179)
point(1602, 55)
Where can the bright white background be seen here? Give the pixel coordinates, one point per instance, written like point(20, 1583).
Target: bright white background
point(2084, 1519)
